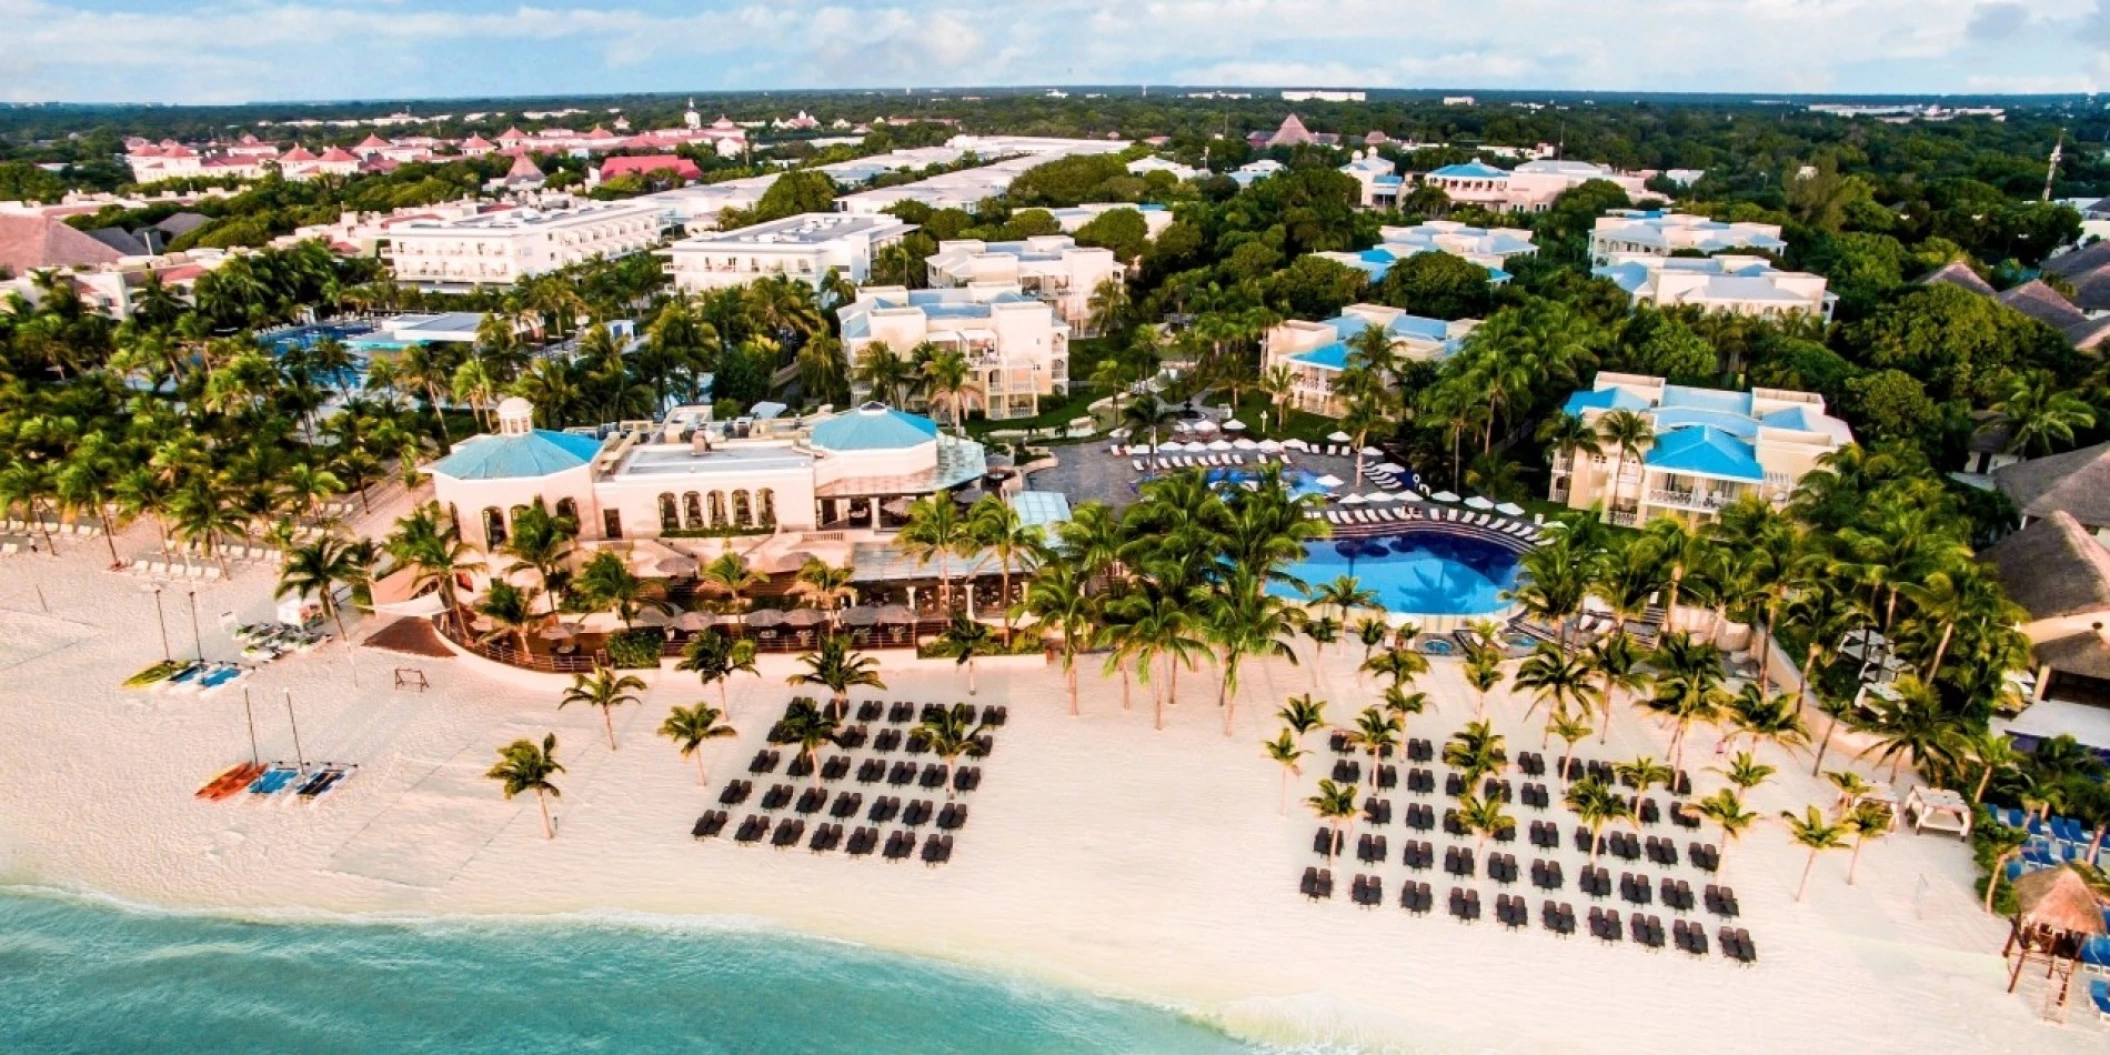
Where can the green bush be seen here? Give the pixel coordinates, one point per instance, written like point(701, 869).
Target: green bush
point(635, 648)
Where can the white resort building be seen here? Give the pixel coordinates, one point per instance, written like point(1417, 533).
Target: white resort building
point(1657, 233)
point(1378, 179)
point(1746, 285)
point(1017, 346)
point(1317, 352)
point(1711, 448)
point(1050, 268)
point(1491, 248)
point(501, 246)
point(804, 247)
point(691, 477)
point(1530, 187)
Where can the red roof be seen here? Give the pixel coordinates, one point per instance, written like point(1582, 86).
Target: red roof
point(298, 153)
point(512, 133)
point(476, 142)
point(148, 150)
point(523, 168)
point(28, 243)
point(641, 164)
point(248, 139)
point(179, 151)
point(600, 133)
point(338, 154)
point(373, 142)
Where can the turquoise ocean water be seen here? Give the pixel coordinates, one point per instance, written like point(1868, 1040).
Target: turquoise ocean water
point(77, 976)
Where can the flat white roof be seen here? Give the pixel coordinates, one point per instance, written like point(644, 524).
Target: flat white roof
point(806, 229)
point(526, 219)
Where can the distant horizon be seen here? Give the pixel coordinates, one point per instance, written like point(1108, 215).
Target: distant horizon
point(227, 52)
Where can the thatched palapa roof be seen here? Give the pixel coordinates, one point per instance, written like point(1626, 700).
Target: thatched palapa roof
point(2054, 568)
point(2068, 899)
point(2077, 482)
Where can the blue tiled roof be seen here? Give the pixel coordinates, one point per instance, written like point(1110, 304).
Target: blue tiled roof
point(1707, 399)
point(1705, 450)
point(1389, 180)
point(1329, 356)
point(537, 453)
point(1673, 417)
point(1471, 170)
point(1378, 255)
point(873, 427)
point(1803, 418)
point(1496, 276)
point(1604, 399)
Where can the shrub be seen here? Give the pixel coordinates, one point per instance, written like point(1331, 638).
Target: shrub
point(634, 648)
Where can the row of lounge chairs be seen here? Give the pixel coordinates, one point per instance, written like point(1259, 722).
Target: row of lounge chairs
point(1461, 861)
point(900, 845)
point(903, 712)
point(59, 528)
point(1189, 461)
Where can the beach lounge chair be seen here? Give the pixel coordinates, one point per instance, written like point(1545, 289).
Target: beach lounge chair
point(2099, 995)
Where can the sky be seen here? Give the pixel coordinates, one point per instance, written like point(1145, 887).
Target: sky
point(222, 51)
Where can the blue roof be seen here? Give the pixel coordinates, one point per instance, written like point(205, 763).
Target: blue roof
point(1801, 417)
point(1671, 417)
point(1707, 399)
point(1604, 399)
point(537, 453)
point(1387, 180)
point(1330, 356)
point(1378, 255)
point(873, 427)
point(1496, 276)
point(1471, 170)
point(1705, 450)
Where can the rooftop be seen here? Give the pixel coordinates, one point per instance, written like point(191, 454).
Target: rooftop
point(678, 459)
point(2076, 482)
point(2054, 568)
point(1705, 450)
point(540, 452)
point(873, 427)
point(806, 229)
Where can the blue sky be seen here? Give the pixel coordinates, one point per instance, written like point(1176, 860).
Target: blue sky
point(204, 51)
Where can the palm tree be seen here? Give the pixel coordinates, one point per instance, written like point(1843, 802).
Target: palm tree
point(1323, 631)
point(2002, 843)
point(541, 543)
point(1630, 434)
point(1745, 772)
point(1059, 599)
point(1335, 803)
point(1165, 627)
point(1565, 436)
point(606, 690)
point(950, 377)
point(1399, 666)
point(1342, 594)
point(823, 585)
point(1372, 633)
point(1476, 751)
point(835, 666)
point(1775, 717)
point(1852, 788)
point(714, 657)
point(1484, 817)
point(965, 639)
point(1284, 751)
point(935, 531)
point(1302, 714)
point(511, 611)
point(1688, 687)
point(1869, 820)
point(1571, 730)
point(317, 570)
point(951, 733)
point(524, 766)
point(1552, 582)
point(1244, 619)
point(1914, 725)
point(1993, 753)
point(691, 727)
point(1483, 671)
point(810, 726)
point(1727, 811)
point(609, 582)
point(995, 528)
point(429, 543)
point(2040, 414)
point(1376, 732)
point(1644, 773)
point(1815, 833)
point(1596, 804)
point(1401, 704)
point(728, 573)
point(1616, 661)
point(1558, 678)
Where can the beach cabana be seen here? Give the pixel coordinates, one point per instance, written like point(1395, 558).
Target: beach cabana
point(2057, 911)
point(1940, 809)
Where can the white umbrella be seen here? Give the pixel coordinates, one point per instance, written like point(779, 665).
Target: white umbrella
point(1407, 496)
point(1120, 433)
point(1477, 502)
point(1510, 509)
point(1295, 445)
point(1371, 452)
point(1393, 468)
point(1220, 445)
point(1339, 437)
point(1444, 496)
point(1205, 426)
point(1243, 444)
point(1382, 496)
point(1329, 480)
point(1181, 426)
point(1233, 425)
point(1270, 446)
point(1353, 500)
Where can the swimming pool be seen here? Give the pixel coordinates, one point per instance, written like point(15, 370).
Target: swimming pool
point(1299, 482)
point(310, 336)
point(1426, 572)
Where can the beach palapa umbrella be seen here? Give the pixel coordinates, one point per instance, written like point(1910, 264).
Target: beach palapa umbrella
point(765, 617)
point(896, 613)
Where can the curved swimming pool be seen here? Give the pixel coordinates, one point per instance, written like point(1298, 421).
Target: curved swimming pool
point(1416, 572)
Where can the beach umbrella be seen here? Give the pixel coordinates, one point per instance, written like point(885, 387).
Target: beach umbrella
point(860, 616)
point(1353, 500)
point(1328, 481)
point(1234, 425)
point(896, 507)
point(1295, 445)
point(1338, 437)
point(1119, 434)
point(652, 617)
point(559, 631)
point(1243, 444)
point(1444, 496)
point(1205, 426)
point(765, 617)
point(1270, 446)
point(1392, 468)
point(1510, 509)
point(805, 617)
point(1477, 502)
point(693, 621)
point(1372, 452)
point(896, 613)
point(1407, 496)
point(1220, 445)
point(1382, 496)
point(676, 565)
point(1181, 426)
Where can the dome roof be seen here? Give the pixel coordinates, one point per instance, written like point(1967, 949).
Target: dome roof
point(538, 452)
point(874, 427)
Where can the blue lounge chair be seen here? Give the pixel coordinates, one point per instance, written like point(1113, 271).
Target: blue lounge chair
point(2095, 954)
point(2099, 994)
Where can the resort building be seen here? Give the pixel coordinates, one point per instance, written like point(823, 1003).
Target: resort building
point(700, 206)
point(1018, 347)
point(1491, 248)
point(1254, 171)
point(1711, 448)
point(1656, 233)
point(694, 477)
point(1530, 187)
point(1317, 352)
point(1377, 178)
point(1147, 165)
point(500, 246)
point(804, 247)
point(2060, 574)
point(1746, 285)
point(968, 188)
point(1053, 269)
point(1155, 217)
point(2074, 483)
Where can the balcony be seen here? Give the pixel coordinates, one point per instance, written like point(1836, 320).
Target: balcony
point(1695, 499)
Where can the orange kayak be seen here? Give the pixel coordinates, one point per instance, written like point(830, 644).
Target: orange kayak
point(230, 780)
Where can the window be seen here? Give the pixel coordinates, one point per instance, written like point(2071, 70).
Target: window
point(766, 499)
point(692, 509)
point(743, 512)
point(717, 509)
point(669, 519)
point(611, 523)
point(494, 527)
point(568, 510)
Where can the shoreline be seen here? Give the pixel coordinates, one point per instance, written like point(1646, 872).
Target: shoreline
point(1103, 858)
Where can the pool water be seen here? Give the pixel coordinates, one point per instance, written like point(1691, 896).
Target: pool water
point(1298, 482)
point(1420, 572)
point(310, 336)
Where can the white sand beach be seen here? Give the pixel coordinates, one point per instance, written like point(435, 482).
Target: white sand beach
point(1141, 864)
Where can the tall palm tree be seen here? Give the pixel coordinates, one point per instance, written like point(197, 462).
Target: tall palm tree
point(1727, 811)
point(1335, 804)
point(1552, 582)
point(1243, 620)
point(1483, 671)
point(1688, 688)
point(1372, 633)
point(1283, 750)
point(1816, 833)
point(1630, 434)
point(1776, 717)
point(1376, 732)
point(714, 657)
point(1476, 751)
point(1557, 678)
point(1644, 773)
point(1745, 772)
point(1399, 666)
point(1616, 662)
point(950, 378)
point(1342, 594)
point(1302, 714)
point(541, 543)
point(317, 570)
point(824, 585)
point(1869, 820)
point(952, 733)
point(525, 766)
point(1571, 729)
point(994, 527)
point(609, 582)
point(936, 531)
point(605, 690)
point(810, 726)
point(691, 727)
point(429, 543)
point(1566, 438)
point(1484, 817)
point(965, 640)
point(1166, 629)
point(837, 667)
point(728, 573)
point(2039, 414)
point(511, 612)
point(2001, 843)
point(1596, 804)
point(1401, 704)
point(1993, 753)
point(1058, 599)
point(1914, 726)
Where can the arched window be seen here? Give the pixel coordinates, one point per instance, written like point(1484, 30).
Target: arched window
point(494, 527)
point(717, 509)
point(568, 510)
point(743, 510)
point(454, 516)
point(692, 510)
point(669, 519)
point(766, 499)
point(515, 512)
